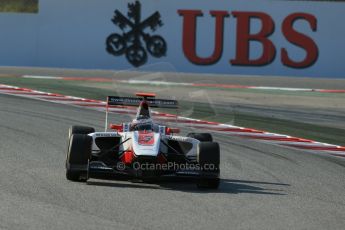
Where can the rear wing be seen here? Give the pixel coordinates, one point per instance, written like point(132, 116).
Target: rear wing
point(135, 101)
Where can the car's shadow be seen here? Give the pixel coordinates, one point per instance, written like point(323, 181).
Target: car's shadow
point(226, 186)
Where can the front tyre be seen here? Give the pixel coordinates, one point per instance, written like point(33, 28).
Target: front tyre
point(78, 155)
point(208, 157)
point(76, 129)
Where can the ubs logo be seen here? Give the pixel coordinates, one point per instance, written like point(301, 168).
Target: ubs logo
point(130, 41)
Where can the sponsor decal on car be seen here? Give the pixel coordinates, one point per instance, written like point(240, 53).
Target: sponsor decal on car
point(146, 138)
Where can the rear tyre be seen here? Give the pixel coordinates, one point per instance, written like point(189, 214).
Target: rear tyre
point(203, 137)
point(78, 155)
point(208, 157)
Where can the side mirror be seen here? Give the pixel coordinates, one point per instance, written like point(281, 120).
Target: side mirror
point(172, 130)
point(116, 127)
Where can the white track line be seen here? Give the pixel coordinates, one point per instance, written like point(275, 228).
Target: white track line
point(279, 139)
point(170, 83)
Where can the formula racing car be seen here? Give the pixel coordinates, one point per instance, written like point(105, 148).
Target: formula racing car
point(142, 149)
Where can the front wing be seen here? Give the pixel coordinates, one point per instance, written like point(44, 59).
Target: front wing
point(97, 169)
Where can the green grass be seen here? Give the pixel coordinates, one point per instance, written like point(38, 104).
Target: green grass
point(240, 90)
point(195, 110)
point(19, 6)
point(293, 128)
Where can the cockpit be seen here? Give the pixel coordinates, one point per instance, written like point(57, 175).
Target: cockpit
point(142, 127)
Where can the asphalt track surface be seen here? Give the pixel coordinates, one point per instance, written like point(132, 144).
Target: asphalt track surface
point(263, 186)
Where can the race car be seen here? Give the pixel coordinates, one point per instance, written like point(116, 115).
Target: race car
point(142, 149)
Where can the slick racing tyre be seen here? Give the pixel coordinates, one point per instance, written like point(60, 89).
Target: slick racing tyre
point(208, 157)
point(203, 137)
point(79, 130)
point(76, 129)
point(78, 155)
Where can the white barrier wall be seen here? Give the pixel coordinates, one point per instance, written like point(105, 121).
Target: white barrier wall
point(252, 37)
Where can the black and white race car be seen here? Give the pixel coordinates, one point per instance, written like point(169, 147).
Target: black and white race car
point(142, 149)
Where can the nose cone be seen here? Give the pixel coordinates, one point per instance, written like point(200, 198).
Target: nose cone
point(146, 144)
